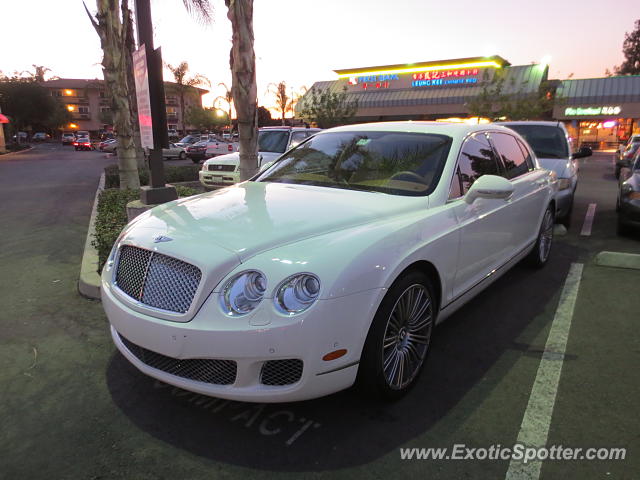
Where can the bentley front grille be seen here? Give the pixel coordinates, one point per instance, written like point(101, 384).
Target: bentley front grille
point(157, 280)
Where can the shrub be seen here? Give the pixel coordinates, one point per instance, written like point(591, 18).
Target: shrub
point(172, 174)
point(111, 217)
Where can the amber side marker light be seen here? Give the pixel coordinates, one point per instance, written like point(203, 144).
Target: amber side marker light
point(335, 354)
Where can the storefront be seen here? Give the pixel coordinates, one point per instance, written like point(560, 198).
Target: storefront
point(599, 112)
point(429, 90)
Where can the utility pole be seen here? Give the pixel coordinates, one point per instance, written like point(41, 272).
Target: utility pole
point(158, 191)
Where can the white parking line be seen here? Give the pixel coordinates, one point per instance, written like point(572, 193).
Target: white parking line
point(588, 220)
point(537, 417)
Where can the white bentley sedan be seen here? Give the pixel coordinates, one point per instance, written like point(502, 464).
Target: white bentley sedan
point(332, 266)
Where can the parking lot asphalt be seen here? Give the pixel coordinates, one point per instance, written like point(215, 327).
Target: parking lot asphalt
point(72, 407)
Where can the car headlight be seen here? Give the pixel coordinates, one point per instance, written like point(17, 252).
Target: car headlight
point(297, 293)
point(243, 293)
point(564, 183)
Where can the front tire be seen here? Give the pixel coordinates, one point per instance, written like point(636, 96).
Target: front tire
point(399, 338)
point(540, 253)
point(182, 156)
point(195, 160)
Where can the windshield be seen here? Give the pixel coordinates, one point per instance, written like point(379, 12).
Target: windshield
point(273, 141)
point(547, 141)
point(398, 163)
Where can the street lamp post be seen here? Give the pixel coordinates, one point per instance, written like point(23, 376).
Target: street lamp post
point(158, 191)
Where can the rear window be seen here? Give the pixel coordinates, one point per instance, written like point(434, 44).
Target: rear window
point(546, 141)
point(274, 141)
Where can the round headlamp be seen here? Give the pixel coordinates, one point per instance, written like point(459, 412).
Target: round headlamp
point(297, 293)
point(243, 293)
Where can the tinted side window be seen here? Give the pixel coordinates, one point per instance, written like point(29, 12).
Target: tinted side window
point(296, 138)
point(527, 155)
point(476, 159)
point(511, 155)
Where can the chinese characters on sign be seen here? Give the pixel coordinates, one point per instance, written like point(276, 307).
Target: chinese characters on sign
point(445, 77)
point(143, 100)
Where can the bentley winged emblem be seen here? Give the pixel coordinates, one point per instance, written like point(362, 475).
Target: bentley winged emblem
point(162, 238)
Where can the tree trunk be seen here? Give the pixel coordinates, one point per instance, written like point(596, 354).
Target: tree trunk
point(243, 86)
point(184, 130)
point(111, 32)
point(130, 46)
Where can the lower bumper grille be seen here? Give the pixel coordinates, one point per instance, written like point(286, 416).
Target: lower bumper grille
point(218, 372)
point(221, 168)
point(281, 372)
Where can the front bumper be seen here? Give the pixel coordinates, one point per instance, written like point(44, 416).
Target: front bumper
point(629, 213)
point(218, 179)
point(196, 155)
point(250, 341)
point(564, 200)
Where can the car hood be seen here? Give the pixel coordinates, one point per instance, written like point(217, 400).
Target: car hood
point(253, 217)
point(234, 158)
point(558, 165)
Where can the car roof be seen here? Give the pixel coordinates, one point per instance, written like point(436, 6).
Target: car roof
point(443, 128)
point(288, 128)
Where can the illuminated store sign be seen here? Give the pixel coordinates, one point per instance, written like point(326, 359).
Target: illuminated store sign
point(373, 81)
point(604, 110)
point(463, 76)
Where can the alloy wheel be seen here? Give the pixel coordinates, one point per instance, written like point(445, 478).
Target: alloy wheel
point(546, 236)
point(406, 337)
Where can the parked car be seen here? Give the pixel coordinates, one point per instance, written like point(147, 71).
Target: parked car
point(625, 159)
point(68, 138)
point(82, 134)
point(174, 152)
point(110, 146)
point(623, 145)
point(103, 145)
point(331, 266)
point(197, 151)
point(272, 142)
point(83, 143)
point(550, 142)
point(628, 202)
point(40, 137)
point(188, 140)
point(20, 137)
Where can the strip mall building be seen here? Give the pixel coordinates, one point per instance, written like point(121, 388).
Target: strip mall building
point(599, 111)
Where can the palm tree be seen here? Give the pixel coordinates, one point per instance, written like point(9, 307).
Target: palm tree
point(185, 82)
point(113, 32)
point(283, 101)
point(227, 98)
point(243, 83)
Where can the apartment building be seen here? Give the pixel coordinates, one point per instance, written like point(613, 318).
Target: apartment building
point(90, 107)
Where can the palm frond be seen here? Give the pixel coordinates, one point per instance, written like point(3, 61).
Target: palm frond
point(201, 10)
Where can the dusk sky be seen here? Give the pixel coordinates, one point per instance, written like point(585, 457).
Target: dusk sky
point(301, 41)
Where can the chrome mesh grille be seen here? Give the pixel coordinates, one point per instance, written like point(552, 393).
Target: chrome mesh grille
point(218, 372)
point(221, 168)
point(281, 372)
point(157, 280)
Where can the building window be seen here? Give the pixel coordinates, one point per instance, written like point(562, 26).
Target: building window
point(172, 127)
point(84, 110)
point(69, 93)
point(172, 110)
point(102, 94)
point(105, 109)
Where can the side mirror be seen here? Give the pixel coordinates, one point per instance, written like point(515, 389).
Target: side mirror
point(583, 152)
point(491, 187)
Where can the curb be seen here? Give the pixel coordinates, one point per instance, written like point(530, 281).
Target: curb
point(8, 154)
point(89, 282)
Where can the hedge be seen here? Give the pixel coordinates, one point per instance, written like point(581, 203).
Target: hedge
point(111, 217)
point(172, 174)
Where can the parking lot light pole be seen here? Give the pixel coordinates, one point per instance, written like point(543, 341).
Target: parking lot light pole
point(158, 191)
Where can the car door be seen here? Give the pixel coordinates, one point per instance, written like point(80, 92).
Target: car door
point(486, 240)
point(526, 203)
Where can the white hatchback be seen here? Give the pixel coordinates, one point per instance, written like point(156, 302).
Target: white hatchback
point(332, 266)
